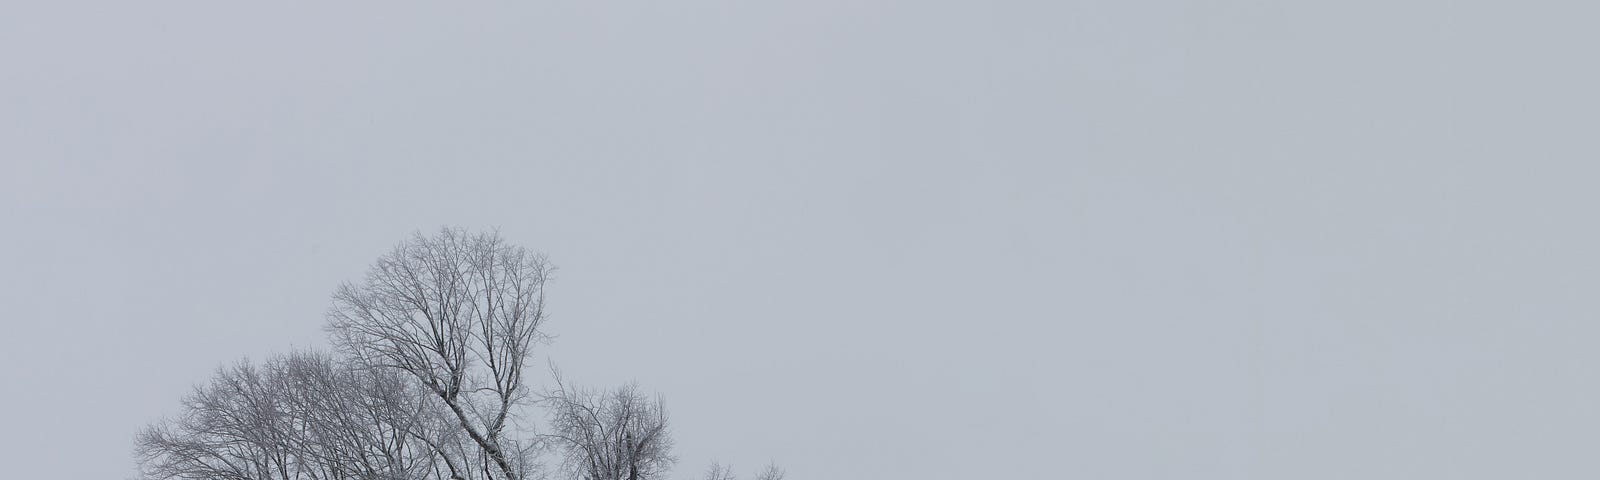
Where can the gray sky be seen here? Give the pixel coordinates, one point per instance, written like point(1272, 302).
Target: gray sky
point(866, 239)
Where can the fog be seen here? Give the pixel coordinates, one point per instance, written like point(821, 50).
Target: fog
point(863, 239)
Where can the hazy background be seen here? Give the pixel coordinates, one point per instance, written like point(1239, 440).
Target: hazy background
point(866, 239)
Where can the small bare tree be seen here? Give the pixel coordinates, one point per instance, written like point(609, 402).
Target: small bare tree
point(616, 434)
point(459, 313)
point(718, 471)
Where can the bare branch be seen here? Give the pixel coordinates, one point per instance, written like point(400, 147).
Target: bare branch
point(460, 313)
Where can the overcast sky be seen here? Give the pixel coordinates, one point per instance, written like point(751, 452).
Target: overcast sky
point(864, 239)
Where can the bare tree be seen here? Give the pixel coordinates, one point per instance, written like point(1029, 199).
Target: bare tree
point(718, 471)
point(224, 432)
point(429, 386)
point(301, 416)
point(459, 313)
point(772, 472)
point(616, 434)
